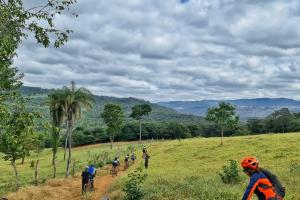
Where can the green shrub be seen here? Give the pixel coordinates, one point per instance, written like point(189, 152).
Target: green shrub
point(133, 186)
point(98, 160)
point(230, 173)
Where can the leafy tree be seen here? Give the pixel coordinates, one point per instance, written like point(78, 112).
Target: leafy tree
point(138, 111)
point(175, 130)
point(282, 118)
point(74, 100)
point(113, 117)
point(17, 130)
point(223, 117)
point(256, 125)
point(16, 22)
point(56, 103)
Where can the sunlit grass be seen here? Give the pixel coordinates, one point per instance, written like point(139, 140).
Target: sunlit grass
point(187, 169)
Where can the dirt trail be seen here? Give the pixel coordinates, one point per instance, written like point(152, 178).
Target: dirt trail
point(102, 185)
point(65, 189)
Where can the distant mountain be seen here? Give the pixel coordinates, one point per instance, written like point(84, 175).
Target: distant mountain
point(246, 108)
point(92, 118)
point(34, 90)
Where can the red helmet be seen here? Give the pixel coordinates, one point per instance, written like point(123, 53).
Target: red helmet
point(250, 162)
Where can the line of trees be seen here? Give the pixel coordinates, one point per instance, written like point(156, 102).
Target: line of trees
point(280, 121)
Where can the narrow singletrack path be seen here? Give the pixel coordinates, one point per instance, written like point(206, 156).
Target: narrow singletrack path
point(65, 189)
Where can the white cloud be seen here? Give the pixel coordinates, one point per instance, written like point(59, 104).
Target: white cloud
point(162, 50)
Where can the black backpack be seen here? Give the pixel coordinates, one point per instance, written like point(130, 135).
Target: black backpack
point(280, 190)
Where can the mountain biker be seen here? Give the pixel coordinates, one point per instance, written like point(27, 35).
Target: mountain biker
point(146, 157)
point(92, 173)
point(133, 157)
point(262, 182)
point(85, 175)
point(115, 163)
point(144, 151)
point(126, 160)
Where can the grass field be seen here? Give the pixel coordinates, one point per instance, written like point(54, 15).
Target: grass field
point(81, 155)
point(187, 169)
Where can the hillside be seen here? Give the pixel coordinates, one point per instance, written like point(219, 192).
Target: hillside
point(92, 118)
point(187, 169)
point(178, 169)
point(246, 108)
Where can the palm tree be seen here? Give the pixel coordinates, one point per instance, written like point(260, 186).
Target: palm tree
point(55, 102)
point(74, 101)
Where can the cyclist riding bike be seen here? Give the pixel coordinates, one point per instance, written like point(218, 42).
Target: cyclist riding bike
point(133, 157)
point(144, 151)
point(126, 160)
point(92, 173)
point(85, 179)
point(115, 164)
point(262, 182)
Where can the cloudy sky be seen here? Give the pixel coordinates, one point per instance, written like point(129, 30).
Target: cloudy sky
point(163, 50)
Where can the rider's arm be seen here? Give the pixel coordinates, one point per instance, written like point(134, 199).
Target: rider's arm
point(254, 181)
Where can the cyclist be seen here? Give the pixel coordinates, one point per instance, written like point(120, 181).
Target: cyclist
point(126, 160)
point(144, 151)
point(92, 174)
point(115, 164)
point(146, 157)
point(262, 182)
point(133, 157)
point(85, 178)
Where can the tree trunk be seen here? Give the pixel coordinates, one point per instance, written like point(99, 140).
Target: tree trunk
point(111, 140)
point(222, 134)
point(66, 143)
point(70, 150)
point(54, 163)
point(140, 121)
point(13, 163)
point(73, 168)
point(36, 172)
point(23, 160)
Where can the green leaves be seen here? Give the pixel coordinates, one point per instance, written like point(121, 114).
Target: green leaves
point(138, 111)
point(114, 117)
point(133, 186)
point(17, 132)
point(230, 173)
point(223, 115)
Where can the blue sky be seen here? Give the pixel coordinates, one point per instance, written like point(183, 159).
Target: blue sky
point(168, 50)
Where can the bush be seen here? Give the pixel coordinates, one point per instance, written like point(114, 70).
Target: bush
point(230, 173)
point(133, 186)
point(98, 160)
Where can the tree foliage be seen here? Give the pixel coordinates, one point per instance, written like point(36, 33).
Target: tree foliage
point(17, 133)
point(138, 111)
point(223, 117)
point(16, 23)
point(113, 117)
point(72, 101)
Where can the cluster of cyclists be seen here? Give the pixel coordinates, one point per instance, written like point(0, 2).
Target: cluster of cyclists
point(264, 184)
point(88, 175)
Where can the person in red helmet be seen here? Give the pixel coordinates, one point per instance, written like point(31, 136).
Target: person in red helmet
point(262, 182)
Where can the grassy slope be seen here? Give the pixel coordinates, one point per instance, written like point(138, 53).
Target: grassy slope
point(188, 169)
point(81, 155)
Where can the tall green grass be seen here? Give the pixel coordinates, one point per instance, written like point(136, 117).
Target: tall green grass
point(187, 169)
